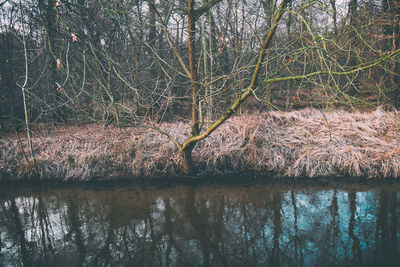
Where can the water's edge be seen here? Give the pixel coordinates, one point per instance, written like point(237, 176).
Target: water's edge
point(171, 181)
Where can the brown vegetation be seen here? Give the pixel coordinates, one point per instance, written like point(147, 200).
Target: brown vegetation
point(294, 144)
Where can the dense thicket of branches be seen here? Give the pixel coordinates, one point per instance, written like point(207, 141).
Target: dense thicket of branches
point(123, 61)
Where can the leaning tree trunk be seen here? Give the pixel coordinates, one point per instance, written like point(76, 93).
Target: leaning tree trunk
point(186, 153)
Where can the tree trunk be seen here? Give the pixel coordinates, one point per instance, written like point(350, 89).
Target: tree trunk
point(205, 64)
point(196, 125)
point(186, 153)
point(192, 16)
point(353, 12)
point(49, 16)
point(334, 15)
point(391, 30)
point(188, 145)
point(187, 160)
point(152, 24)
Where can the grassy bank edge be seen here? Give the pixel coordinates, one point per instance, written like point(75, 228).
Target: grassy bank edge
point(293, 145)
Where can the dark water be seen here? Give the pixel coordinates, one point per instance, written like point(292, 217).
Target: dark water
point(208, 225)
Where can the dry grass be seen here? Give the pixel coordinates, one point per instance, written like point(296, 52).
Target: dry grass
point(294, 144)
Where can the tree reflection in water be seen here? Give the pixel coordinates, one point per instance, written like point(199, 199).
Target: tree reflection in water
point(201, 226)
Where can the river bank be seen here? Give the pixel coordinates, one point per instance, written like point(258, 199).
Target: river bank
point(305, 143)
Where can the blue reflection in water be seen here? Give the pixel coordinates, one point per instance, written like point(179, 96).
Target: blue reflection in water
point(255, 225)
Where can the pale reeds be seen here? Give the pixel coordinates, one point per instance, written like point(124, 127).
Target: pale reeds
point(294, 144)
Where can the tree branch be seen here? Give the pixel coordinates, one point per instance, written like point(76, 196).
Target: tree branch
point(158, 130)
point(229, 112)
point(354, 70)
point(180, 60)
point(204, 8)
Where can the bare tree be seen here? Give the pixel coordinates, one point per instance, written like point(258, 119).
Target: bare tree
point(138, 63)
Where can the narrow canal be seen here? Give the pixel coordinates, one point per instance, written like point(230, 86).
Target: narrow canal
point(202, 225)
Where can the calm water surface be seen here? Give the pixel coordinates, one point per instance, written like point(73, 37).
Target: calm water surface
point(207, 225)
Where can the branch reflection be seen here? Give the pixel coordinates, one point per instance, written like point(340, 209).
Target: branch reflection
point(201, 226)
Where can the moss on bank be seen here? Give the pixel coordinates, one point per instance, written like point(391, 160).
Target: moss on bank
point(291, 144)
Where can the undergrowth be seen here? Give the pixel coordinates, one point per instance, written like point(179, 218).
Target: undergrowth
point(291, 144)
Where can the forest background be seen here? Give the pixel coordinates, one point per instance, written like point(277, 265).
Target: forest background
point(142, 63)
